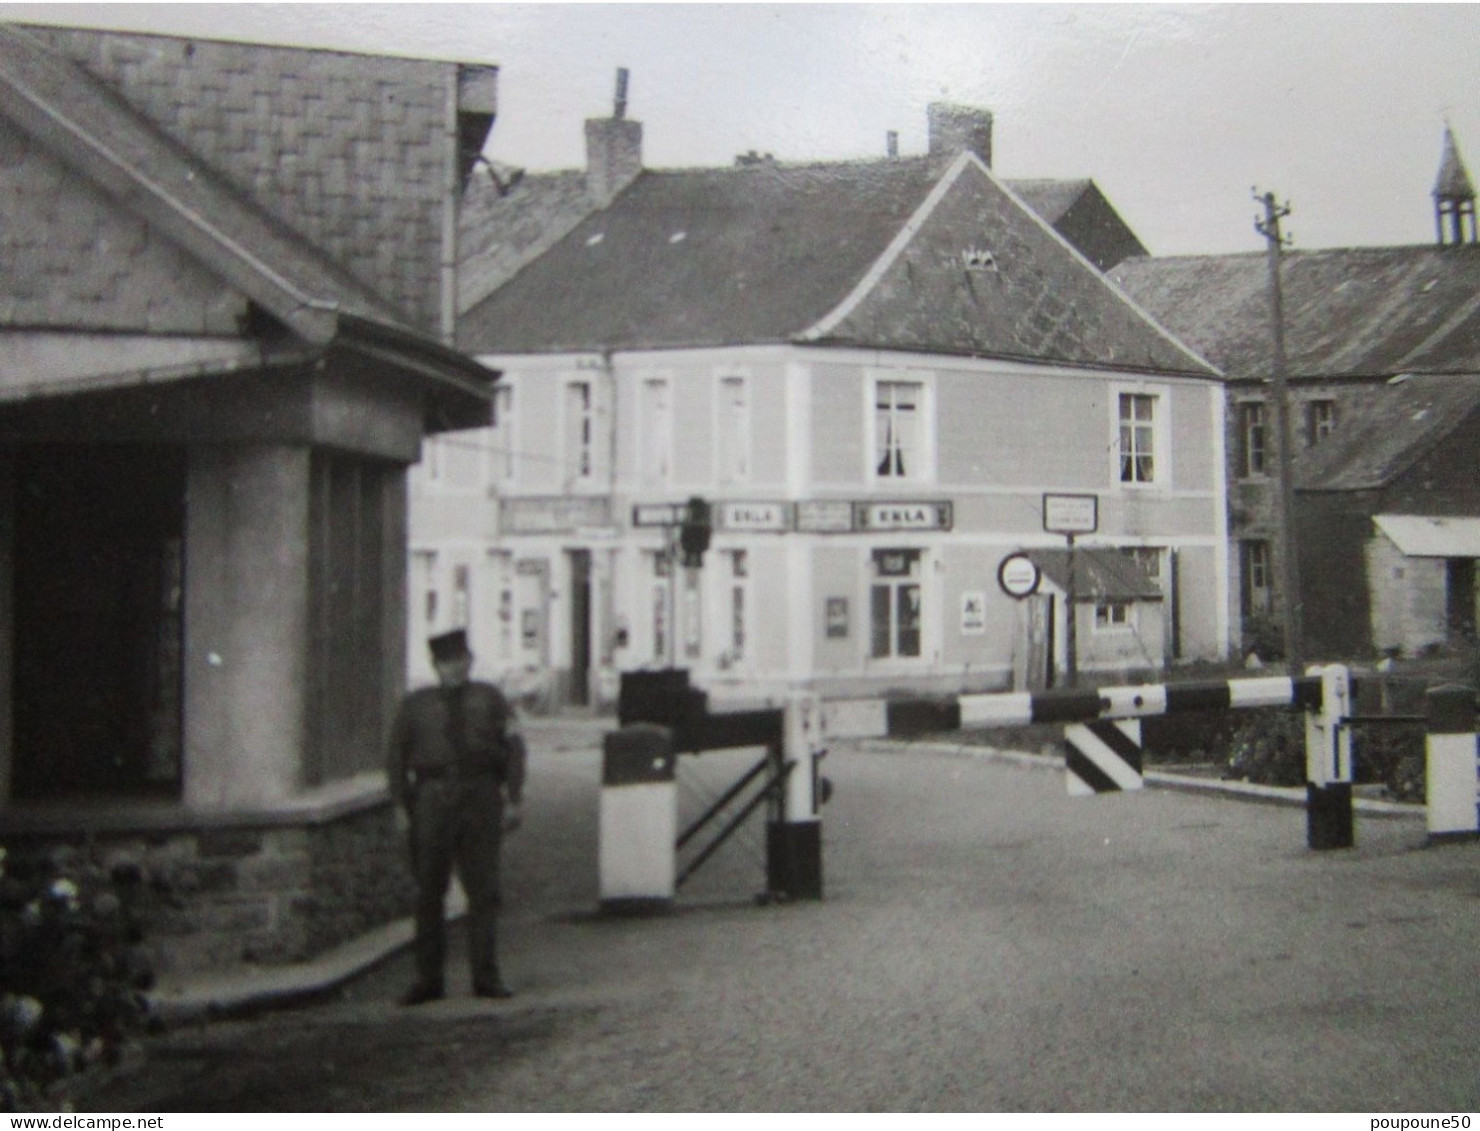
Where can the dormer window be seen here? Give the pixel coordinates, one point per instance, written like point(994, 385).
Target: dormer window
point(978, 259)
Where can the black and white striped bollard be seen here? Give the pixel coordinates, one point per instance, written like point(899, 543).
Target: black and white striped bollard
point(1328, 762)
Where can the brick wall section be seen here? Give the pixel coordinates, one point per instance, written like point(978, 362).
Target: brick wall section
point(221, 897)
point(347, 150)
point(73, 259)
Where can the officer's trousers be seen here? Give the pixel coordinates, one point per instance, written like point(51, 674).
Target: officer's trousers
point(457, 821)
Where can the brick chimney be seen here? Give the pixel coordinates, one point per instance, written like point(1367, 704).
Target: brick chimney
point(954, 128)
point(613, 149)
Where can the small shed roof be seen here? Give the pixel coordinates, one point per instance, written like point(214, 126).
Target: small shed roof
point(1099, 575)
point(1421, 536)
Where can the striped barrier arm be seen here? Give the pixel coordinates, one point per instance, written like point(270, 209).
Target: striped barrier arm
point(909, 718)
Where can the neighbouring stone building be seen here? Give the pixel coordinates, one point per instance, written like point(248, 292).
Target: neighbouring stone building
point(1356, 319)
point(226, 323)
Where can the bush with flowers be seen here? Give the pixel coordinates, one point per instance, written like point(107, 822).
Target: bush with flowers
point(72, 970)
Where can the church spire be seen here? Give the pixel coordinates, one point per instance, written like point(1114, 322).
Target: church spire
point(1454, 196)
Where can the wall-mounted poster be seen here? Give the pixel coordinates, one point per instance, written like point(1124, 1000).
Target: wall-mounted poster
point(837, 618)
point(973, 613)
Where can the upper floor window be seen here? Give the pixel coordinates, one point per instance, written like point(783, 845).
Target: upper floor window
point(656, 425)
point(1148, 558)
point(501, 435)
point(1138, 427)
point(898, 429)
point(580, 430)
point(1253, 438)
point(1320, 420)
point(733, 440)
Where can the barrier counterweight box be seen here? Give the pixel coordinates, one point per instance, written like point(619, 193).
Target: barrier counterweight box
point(638, 819)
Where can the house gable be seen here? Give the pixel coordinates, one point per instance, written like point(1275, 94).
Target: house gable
point(976, 272)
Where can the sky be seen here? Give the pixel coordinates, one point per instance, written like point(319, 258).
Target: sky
point(1178, 112)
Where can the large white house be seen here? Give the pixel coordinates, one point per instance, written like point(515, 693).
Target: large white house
point(874, 372)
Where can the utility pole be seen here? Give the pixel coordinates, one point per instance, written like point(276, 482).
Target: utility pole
point(1285, 547)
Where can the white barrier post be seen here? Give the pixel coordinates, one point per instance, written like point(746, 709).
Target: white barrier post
point(1328, 762)
point(1449, 763)
point(638, 820)
point(794, 843)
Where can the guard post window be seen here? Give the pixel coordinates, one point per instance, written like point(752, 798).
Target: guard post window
point(897, 441)
point(1138, 437)
point(895, 604)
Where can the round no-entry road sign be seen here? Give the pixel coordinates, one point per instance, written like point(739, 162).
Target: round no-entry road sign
point(1018, 575)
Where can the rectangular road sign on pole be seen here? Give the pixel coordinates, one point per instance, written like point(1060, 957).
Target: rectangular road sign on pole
point(1071, 514)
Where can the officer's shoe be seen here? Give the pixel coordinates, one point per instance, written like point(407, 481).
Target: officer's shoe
point(493, 990)
point(420, 995)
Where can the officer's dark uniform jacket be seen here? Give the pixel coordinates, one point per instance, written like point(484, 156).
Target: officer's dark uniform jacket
point(423, 745)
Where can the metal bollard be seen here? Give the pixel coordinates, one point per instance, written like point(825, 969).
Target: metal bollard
point(1449, 763)
point(638, 820)
point(1328, 763)
point(794, 843)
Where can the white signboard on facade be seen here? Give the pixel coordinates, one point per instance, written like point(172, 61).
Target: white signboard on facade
point(973, 613)
point(905, 516)
point(825, 517)
point(759, 517)
point(658, 514)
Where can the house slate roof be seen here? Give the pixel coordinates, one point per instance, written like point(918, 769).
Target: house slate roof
point(1362, 312)
point(90, 127)
point(1099, 575)
point(499, 232)
point(868, 254)
point(1380, 439)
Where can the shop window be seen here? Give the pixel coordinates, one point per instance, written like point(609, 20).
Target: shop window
point(896, 604)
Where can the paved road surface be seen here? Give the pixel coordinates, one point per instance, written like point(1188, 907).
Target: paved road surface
point(986, 944)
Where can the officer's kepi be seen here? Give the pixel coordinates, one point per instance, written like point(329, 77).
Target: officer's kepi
point(449, 645)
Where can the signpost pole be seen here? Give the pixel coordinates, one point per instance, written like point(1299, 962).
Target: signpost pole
point(1071, 622)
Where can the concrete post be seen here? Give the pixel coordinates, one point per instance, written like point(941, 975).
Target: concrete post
point(794, 843)
point(1328, 762)
point(1449, 763)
